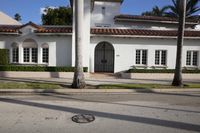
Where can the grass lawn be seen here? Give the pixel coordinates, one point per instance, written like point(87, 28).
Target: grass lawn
point(144, 86)
point(28, 85)
point(24, 85)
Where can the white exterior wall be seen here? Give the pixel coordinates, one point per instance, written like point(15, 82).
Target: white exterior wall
point(125, 51)
point(150, 25)
point(59, 47)
point(111, 10)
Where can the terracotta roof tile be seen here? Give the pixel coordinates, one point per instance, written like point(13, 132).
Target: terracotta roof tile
point(142, 32)
point(9, 28)
point(55, 29)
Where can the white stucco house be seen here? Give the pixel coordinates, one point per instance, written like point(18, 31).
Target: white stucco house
point(113, 42)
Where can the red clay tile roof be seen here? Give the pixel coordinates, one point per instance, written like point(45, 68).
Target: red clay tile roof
point(142, 32)
point(31, 24)
point(55, 29)
point(101, 31)
point(9, 28)
point(152, 18)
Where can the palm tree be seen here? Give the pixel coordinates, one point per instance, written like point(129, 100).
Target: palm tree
point(191, 8)
point(18, 17)
point(79, 80)
point(177, 81)
point(156, 11)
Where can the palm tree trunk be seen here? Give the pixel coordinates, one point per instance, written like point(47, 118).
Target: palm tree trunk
point(177, 81)
point(79, 80)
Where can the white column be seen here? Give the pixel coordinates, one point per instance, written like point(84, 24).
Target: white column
point(10, 54)
point(21, 56)
point(52, 53)
point(39, 54)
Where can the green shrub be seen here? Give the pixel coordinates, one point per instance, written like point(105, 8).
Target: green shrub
point(39, 68)
point(160, 71)
point(4, 56)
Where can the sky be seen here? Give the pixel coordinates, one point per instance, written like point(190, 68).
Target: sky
point(30, 10)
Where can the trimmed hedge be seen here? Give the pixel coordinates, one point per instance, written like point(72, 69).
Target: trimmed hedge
point(4, 56)
point(160, 71)
point(39, 69)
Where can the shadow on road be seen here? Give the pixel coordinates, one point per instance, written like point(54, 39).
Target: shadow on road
point(68, 97)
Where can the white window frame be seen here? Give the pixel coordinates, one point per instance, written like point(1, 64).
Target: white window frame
point(30, 56)
point(191, 58)
point(141, 57)
point(44, 55)
point(160, 57)
point(15, 55)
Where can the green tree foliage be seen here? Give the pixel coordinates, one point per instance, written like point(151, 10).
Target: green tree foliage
point(17, 17)
point(173, 10)
point(156, 11)
point(57, 16)
point(191, 8)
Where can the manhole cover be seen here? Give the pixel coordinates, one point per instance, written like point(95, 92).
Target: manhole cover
point(83, 118)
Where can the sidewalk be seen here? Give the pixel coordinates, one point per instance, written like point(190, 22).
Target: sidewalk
point(84, 91)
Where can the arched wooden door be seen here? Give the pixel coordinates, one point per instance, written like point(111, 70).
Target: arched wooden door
point(104, 57)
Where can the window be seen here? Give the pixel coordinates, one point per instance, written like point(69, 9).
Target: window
point(103, 10)
point(30, 51)
point(45, 55)
point(26, 54)
point(192, 58)
point(34, 55)
point(15, 55)
point(160, 57)
point(141, 57)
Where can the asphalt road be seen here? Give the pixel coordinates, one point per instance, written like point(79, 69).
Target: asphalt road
point(114, 113)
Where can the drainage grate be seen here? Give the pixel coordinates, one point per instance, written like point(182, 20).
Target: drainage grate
point(83, 118)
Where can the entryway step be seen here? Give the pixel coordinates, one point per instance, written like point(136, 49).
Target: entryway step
point(103, 75)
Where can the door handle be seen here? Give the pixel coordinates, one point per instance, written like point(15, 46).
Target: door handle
point(104, 61)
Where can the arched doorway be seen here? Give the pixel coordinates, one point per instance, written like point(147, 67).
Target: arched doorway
point(104, 57)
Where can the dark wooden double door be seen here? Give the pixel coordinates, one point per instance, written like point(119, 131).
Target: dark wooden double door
point(104, 58)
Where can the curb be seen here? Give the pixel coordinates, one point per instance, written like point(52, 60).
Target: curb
point(82, 91)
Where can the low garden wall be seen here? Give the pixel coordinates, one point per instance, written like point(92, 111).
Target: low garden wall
point(24, 74)
point(160, 74)
point(11, 71)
